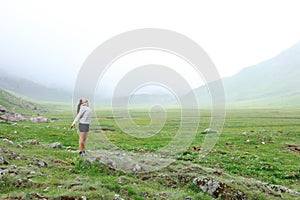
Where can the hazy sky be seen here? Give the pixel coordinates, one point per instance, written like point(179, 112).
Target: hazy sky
point(49, 40)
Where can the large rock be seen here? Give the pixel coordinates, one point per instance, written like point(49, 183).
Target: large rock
point(16, 117)
point(55, 145)
point(2, 109)
point(5, 116)
point(218, 189)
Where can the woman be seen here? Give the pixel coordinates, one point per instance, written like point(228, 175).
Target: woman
point(84, 113)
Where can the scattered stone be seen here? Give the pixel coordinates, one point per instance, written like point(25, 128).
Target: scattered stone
point(218, 189)
point(15, 132)
point(247, 141)
point(55, 145)
point(20, 181)
point(38, 120)
point(104, 129)
point(13, 155)
point(38, 196)
point(136, 168)
point(20, 146)
point(32, 172)
point(197, 149)
point(244, 133)
point(117, 197)
point(263, 143)
point(92, 188)
point(146, 195)
point(59, 186)
point(13, 166)
point(15, 124)
point(209, 130)
point(41, 163)
point(188, 198)
point(293, 148)
point(2, 173)
point(1, 157)
point(8, 141)
point(69, 148)
point(32, 142)
point(73, 185)
point(281, 189)
point(2, 109)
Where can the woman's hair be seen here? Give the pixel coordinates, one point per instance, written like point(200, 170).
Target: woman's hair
point(78, 106)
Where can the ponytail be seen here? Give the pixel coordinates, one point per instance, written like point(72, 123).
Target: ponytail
point(78, 106)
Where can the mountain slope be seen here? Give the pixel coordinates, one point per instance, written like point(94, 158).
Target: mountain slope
point(16, 103)
point(31, 89)
point(274, 83)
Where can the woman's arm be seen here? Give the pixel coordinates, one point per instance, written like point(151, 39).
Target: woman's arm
point(78, 116)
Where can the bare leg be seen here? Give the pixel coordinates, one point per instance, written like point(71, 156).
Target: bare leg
point(82, 139)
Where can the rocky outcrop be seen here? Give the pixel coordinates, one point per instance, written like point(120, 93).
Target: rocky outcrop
point(15, 117)
point(12, 117)
point(218, 189)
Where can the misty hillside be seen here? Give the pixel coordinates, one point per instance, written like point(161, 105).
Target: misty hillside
point(274, 82)
point(15, 103)
point(31, 89)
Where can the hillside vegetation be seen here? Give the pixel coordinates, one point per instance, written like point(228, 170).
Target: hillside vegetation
point(273, 83)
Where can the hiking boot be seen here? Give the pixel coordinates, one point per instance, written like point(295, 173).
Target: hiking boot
point(82, 153)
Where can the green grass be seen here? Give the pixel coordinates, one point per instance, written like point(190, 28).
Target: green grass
point(67, 174)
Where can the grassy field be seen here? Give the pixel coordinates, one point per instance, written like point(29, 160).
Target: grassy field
point(255, 147)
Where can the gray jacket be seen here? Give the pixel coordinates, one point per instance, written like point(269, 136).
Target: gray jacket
point(85, 115)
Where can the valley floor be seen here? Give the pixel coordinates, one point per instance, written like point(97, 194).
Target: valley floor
point(256, 157)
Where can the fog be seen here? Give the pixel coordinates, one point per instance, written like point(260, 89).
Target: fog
point(47, 42)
